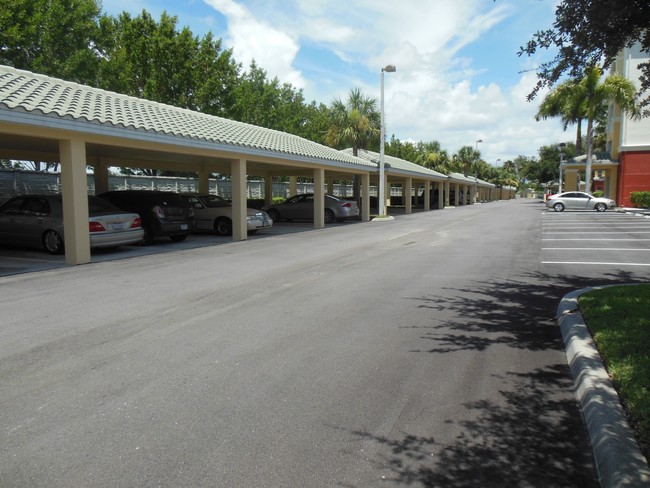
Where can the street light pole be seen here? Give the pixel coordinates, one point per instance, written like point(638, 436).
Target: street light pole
point(561, 146)
point(382, 190)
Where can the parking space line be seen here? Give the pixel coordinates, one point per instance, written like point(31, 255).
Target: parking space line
point(592, 249)
point(593, 239)
point(595, 263)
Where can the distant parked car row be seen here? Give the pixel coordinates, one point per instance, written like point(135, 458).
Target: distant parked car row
point(124, 217)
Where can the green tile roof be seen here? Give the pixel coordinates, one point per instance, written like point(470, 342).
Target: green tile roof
point(23, 91)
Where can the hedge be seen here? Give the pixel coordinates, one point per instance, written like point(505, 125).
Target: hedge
point(640, 199)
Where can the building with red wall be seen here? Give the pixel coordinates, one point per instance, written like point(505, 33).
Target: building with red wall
point(628, 140)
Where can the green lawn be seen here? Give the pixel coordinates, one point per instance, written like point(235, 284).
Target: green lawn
point(619, 321)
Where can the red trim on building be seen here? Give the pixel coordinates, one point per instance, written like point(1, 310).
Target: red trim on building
point(633, 175)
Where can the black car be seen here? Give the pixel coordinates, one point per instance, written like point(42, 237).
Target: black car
point(163, 213)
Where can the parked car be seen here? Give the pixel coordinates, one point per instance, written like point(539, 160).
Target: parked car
point(214, 214)
point(578, 200)
point(301, 207)
point(37, 221)
point(164, 214)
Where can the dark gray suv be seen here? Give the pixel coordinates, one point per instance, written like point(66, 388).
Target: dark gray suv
point(163, 213)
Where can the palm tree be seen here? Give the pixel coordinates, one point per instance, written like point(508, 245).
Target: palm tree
point(466, 158)
point(615, 89)
point(586, 98)
point(354, 123)
point(567, 103)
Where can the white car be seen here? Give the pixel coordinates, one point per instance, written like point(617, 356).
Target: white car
point(578, 200)
point(214, 214)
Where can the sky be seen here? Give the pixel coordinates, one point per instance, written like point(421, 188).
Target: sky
point(458, 77)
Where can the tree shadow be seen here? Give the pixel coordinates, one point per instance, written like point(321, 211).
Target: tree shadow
point(530, 432)
point(519, 314)
point(528, 438)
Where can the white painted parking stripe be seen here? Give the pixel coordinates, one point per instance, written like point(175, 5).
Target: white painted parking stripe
point(595, 239)
point(599, 232)
point(595, 263)
point(600, 249)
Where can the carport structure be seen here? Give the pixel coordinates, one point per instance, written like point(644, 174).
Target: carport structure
point(47, 119)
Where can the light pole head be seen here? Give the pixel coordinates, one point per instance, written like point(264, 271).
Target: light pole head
point(390, 68)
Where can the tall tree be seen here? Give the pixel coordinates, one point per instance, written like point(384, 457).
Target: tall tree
point(567, 102)
point(588, 32)
point(615, 89)
point(355, 122)
point(53, 37)
point(466, 159)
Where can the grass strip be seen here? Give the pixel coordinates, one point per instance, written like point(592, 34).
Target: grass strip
point(619, 321)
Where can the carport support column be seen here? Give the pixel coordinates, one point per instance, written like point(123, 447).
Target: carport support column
point(293, 185)
point(238, 176)
point(75, 201)
point(319, 198)
point(365, 197)
point(427, 195)
point(456, 194)
point(268, 189)
point(100, 176)
point(406, 195)
point(442, 191)
point(204, 181)
point(446, 196)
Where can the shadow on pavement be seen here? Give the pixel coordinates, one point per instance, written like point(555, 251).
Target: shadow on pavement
point(530, 433)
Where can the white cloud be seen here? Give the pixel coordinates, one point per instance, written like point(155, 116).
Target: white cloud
point(433, 95)
point(252, 39)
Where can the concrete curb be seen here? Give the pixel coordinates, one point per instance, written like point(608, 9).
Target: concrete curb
point(618, 458)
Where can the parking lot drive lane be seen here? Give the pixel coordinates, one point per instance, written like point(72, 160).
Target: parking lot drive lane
point(421, 351)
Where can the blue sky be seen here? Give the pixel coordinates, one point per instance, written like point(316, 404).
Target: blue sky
point(458, 77)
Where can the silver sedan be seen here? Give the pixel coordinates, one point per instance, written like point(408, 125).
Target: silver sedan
point(37, 221)
point(578, 200)
point(214, 214)
point(301, 207)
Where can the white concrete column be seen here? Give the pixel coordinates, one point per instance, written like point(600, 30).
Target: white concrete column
point(204, 181)
point(427, 195)
point(100, 175)
point(407, 188)
point(75, 201)
point(441, 194)
point(268, 189)
point(456, 194)
point(319, 198)
point(447, 189)
point(365, 197)
point(238, 180)
point(330, 185)
point(293, 185)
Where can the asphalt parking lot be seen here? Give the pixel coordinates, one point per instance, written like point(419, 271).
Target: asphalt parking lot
point(604, 242)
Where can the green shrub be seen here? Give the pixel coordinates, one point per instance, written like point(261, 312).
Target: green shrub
point(599, 193)
point(277, 200)
point(640, 199)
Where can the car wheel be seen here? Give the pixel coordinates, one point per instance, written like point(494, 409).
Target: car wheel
point(274, 214)
point(329, 216)
point(178, 238)
point(223, 226)
point(147, 238)
point(558, 207)
point(52, 242)
point(601, 207)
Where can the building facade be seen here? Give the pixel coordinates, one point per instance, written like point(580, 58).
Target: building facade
point(628, 140)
